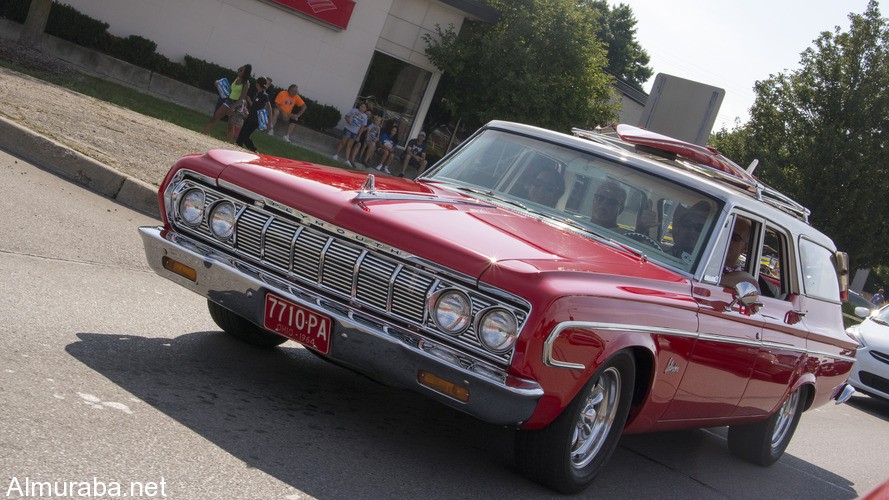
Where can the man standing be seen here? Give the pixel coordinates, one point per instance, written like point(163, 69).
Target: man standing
point(285, 101)
point(879, 297)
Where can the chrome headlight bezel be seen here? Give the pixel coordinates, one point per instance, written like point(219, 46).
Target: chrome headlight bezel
point(218, 215)
point(488, 336)
point(461, 306)
point(189, 205)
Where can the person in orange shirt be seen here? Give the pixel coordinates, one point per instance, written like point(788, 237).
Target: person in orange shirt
point(285, 101)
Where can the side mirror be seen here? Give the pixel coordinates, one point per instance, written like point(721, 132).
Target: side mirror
point(862, 312)
point(841, 260)
point(746, 295)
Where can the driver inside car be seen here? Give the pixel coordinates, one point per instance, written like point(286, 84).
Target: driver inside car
point(733, 272)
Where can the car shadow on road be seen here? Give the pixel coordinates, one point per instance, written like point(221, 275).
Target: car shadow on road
point(872, 406)
point(331, 433)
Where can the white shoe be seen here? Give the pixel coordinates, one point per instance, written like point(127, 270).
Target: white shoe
point(386, 170)
point(336, 158)
point(348, 163)
point(271, 131)
point(286, 139)
point(379, 167)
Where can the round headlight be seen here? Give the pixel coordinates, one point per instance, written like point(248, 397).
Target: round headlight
point(191, 207)
point(497, 330)
point(452, 312)
point(222, 220)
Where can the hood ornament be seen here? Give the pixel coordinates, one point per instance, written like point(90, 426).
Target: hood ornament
point(368, 192)
point(369, 187)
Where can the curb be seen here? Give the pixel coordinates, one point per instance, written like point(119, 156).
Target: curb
point(60, 159)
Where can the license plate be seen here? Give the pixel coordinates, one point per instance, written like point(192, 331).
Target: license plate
point(298, 323)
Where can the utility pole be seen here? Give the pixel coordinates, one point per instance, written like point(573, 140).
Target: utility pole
point(35, 24)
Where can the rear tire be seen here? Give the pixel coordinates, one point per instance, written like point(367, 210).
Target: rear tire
point(763, 443)
point(568, 454)
point(241, 329)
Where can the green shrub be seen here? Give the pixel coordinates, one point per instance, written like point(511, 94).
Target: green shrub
point(134, 49)
point(160, 64)
point(319, 116)
point(203, 74)
point(15, 10)
point(67, 23)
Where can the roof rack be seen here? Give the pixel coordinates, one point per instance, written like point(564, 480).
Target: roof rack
point(700, 160)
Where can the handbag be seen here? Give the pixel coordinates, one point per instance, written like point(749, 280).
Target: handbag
point(223, 87)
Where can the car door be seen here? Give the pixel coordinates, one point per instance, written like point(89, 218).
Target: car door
point(727, 348)
point(783, 339)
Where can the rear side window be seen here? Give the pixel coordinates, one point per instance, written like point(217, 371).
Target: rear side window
point(819, 276)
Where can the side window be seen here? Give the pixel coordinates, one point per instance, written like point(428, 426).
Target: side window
point(773, 277)
point(739, 262)
point(819, 276)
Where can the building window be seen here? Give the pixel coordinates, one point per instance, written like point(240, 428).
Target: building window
point(394, 89)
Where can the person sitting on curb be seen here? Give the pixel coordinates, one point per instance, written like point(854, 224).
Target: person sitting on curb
point(388, 143)
point(414, 155)
point(285, 101)
point(355, 119)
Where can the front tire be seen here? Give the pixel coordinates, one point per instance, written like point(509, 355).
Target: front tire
point(568, 454)
point(241, 329)
point(763, 443)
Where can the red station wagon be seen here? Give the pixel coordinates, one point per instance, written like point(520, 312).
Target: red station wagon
point(571, 287)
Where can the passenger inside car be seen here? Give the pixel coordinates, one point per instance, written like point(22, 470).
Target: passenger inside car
point(738, 245)
point(688, 223)
point(608, 203)
point(547, 187)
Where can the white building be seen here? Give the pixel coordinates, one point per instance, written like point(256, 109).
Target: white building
point(335, 50)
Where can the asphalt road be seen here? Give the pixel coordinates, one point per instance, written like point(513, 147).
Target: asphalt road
point(113, 377)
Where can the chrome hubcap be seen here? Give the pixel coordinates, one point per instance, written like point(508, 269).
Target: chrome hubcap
point(785, 418)
point(596, 418)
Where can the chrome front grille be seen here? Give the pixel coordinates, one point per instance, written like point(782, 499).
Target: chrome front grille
point(396, 289)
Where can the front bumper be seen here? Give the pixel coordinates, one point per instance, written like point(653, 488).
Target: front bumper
point(870, 375)
point(367, 344)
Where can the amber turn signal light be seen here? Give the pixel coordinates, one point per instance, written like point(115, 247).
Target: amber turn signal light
point(180, 269)
point(441, 385)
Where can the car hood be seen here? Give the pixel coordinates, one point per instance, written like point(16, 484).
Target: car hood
point(430, 221)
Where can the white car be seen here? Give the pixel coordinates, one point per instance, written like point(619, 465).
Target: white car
point(870, 374)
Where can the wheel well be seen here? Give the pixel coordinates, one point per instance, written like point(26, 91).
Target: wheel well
point(808, 395)
point(644, 366)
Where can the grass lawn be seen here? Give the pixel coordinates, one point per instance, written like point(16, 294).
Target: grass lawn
point(164, 110)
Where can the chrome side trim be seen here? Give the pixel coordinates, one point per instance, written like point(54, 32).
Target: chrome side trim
point(829, 355)
point(549, 360)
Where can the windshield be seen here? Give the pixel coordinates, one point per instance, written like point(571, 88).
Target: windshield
point(666, 221)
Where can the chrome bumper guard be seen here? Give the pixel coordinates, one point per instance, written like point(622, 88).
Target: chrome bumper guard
point(844, 392)
point(364, 343)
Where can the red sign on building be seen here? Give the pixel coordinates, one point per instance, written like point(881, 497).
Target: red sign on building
point(333, 12)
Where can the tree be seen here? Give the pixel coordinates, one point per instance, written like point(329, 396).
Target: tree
point(540, 64)
point(35, 23)
point(616, 28)
point(821, 135)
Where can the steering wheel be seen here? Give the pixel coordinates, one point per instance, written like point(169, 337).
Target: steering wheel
point(644, 238)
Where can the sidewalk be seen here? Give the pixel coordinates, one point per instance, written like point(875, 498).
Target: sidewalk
point(109, 149)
